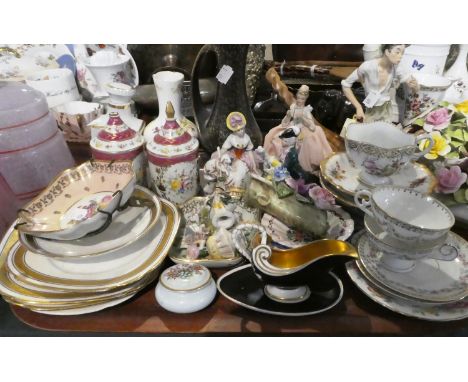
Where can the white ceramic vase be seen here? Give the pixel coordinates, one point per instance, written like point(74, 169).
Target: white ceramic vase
point(428, 59)
point(458, 91)
point(168, 89)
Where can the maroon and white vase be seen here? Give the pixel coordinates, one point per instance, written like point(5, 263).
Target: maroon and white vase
point(172, 157)
point(119, 142)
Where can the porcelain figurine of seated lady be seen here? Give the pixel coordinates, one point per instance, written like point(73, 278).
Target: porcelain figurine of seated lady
point(311, 144)
point(238, 144)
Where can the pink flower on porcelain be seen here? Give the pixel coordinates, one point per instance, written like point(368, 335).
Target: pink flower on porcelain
point(437, 120)
point(322, 198)
point(450, 179)
point(193, 251)
point(299, 185)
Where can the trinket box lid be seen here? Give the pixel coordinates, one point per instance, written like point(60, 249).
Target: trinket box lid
point(185, 277)
point(117, 137)
point(172, 139)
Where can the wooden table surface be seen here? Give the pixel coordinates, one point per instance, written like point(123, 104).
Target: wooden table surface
point(356, 314)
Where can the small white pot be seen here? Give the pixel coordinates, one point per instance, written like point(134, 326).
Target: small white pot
point(185, 288)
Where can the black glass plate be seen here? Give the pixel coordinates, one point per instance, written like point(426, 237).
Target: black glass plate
point(242, 287)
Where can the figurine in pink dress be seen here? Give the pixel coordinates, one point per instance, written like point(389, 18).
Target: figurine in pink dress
point(311, 143)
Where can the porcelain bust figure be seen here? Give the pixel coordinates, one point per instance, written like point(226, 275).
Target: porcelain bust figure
point(311, 143)
point(378, 77)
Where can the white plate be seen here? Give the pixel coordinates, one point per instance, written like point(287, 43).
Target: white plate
point(341, 174)
point(425, 311)
point(102, 273)
point(86, 78)
point(86, 310)
point(53, 301)
point(34, 58)
point(430, 280)
point(127, 226)
point(181, 258)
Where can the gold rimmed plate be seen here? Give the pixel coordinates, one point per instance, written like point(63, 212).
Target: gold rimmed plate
point(128, 226)
point(155, 251)
point(54, 304)
point(78, 200)
point(340, 173)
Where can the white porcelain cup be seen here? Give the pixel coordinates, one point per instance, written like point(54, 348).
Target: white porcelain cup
point(409, 216)
point(108, 67)
point(380, 149)
point(432, 88)
point(58, 85)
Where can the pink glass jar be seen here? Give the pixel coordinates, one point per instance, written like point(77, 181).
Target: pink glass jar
point(32, 148)
point(9, 205)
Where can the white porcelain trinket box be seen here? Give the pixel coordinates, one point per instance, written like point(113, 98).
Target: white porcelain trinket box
point(185, 288)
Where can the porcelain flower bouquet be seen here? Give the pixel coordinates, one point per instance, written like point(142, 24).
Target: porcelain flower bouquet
point(447, 124)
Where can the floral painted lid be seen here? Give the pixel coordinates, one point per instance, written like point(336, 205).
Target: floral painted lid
point(185, 277)
point(117, 137)
point(172, 140)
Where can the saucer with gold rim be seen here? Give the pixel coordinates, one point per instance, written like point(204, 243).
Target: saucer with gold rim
point(338, 171)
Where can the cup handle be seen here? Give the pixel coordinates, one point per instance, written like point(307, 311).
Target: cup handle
point(364, 204)
point(447, 252)
point(416, 156)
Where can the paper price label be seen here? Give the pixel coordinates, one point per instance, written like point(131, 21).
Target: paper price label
point(225, 74)
point(371, 99)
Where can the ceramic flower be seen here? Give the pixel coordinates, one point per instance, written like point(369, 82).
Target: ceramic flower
point(450, 179)
point(462, 107)
point(275, 163)
point(280, 173)
point(437, 120)
point(322, 198)
point(441, 146)
point(299, 185)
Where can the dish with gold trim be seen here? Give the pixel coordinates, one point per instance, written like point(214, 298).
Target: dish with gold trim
point(78, 201)
point(157, 252)
point(128, 226)
point(244, 288)
point(338, 171)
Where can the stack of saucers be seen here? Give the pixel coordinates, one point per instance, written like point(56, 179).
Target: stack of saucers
point(91, 240)
point(409, 260)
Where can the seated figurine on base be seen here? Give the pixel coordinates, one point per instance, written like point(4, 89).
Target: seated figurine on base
point(311, 143)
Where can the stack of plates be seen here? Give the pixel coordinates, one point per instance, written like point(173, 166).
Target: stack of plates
point(434, 290)
point(92, 273)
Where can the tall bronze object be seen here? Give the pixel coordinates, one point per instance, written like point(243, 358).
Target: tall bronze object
point(232, 96)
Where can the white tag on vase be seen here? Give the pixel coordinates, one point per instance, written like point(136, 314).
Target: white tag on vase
point(225, 74)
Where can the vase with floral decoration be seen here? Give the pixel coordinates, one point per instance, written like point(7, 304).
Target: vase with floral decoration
point(173, 157)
